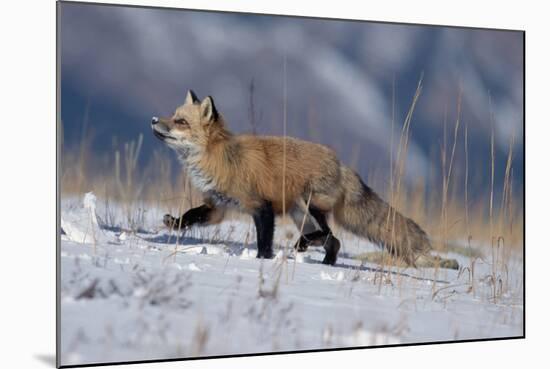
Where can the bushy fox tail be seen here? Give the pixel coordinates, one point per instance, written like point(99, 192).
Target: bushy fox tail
point(361, 211)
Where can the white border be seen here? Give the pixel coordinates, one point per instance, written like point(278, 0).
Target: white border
point(27, 326)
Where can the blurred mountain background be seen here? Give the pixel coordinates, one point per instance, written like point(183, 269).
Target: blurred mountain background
point(349, 84)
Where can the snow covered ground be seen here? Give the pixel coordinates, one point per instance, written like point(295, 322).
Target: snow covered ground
point(129, 296)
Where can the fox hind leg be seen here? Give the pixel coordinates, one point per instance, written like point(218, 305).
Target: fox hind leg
point(332, 246)
point(306, 224)
point(315, 236)
point(321, 236)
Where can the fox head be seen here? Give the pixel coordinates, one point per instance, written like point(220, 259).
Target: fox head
point(193, 126)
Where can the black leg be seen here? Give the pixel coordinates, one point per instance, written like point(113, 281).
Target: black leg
point(332, 246)
point(193, 216)
point(323, 237)
point(264, 220)
point(317, 238)
point(320, 218)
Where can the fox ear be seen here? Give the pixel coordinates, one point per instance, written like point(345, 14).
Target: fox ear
point(191, 98)
point(208, 110)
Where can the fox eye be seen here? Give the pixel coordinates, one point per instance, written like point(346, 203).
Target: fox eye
point(181, 121)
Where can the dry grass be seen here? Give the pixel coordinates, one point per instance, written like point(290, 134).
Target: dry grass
point(457, 220)
point(441, 205)
point(116, 177)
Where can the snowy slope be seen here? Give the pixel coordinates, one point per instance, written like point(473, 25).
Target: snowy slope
point(128, 296)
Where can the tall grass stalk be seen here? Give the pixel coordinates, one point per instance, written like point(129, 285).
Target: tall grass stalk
point(396, 178)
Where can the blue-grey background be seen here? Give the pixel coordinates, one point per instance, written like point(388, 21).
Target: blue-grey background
point(121, 65)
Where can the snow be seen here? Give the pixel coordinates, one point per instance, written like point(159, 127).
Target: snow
point(149, 294)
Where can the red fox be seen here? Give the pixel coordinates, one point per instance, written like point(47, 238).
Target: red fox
point(246, 172)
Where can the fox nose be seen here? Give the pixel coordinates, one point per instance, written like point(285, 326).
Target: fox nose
point(154, 121)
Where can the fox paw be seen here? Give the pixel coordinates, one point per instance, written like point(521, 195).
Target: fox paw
point(330, 259)
point(168, 220)
point(265, 254)
point(332, 246)
point(301, 245)
point(172, 223)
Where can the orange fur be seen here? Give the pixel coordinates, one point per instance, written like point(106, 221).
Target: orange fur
point(246, 171)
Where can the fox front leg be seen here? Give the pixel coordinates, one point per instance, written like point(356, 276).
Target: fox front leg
point(264, 220)
point(198, 215)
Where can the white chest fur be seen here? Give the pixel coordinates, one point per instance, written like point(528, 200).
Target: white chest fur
point(200, 179)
